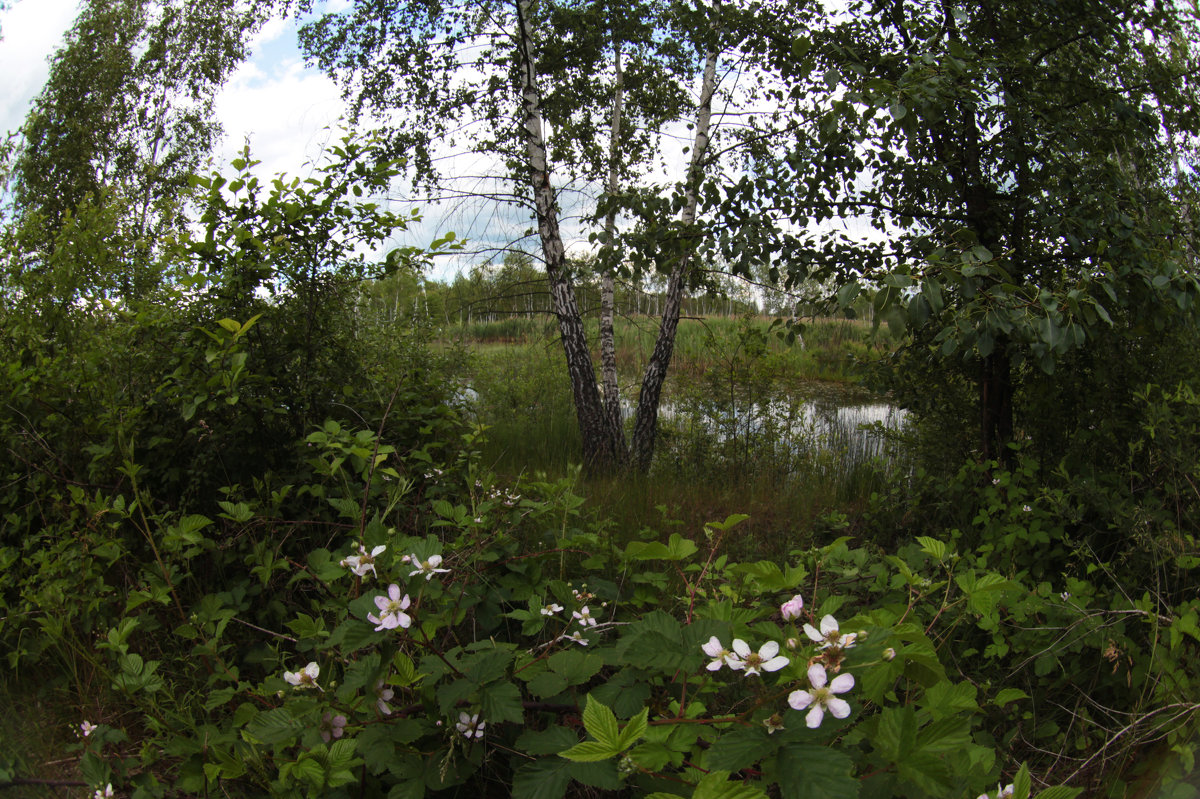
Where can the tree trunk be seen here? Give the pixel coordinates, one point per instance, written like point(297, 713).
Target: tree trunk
point(600, 450)
point(645, 428)
point(608, 345)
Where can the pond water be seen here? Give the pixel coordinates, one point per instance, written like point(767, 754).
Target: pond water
point(846, 425)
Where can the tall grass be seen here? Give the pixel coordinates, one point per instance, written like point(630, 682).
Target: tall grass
point(732, 436)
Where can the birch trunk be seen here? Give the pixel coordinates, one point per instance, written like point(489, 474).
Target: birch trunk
point(645, 429)
point(600, 452)
point(608, 345)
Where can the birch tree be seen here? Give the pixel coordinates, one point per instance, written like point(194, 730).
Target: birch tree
point(474, 66)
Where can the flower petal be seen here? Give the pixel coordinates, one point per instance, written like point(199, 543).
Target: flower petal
point(741, 648)
point(775, 663)
point(816, 675)
point(813, 633)
point(828, 625)
point(713, 648)
point(841, 683)
point(840, 708)
point(798, 700)
point(768, 650)
point(814, 717)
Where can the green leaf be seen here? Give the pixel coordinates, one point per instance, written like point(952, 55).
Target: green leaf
point(273, 726)
point(546, 778)
point(598, 775)
point(815, 772)
point(932, 546)
point(576, 666)
point(601, 724)
point(548, 683)
point(1006, 695)
point(1059, 792)
point(634, 730)
point(741, 747)
point(590, 751)
point(549, 741)
point(717, 785)
point(1022, 783)
point(501, 702)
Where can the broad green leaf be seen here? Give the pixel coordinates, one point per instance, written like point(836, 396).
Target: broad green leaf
point(1059, 792)
point(550, 741)
point(741, 747)
point(546, 778)
point(601, 724)
point(590, 751)
point(1006, 695)
point(807, 771)
point(634, 730)
point(602, 775)
point(273, 726)
point(932, 546)
point(501, 702)
point(717, 785)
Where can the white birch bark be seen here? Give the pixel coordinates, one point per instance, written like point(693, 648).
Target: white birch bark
point(645, 429)
point(600, 452)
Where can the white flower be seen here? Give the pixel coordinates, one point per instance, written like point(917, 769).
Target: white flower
point(305, 678)
point(470, 725)
point(391, 609)
point(577, 638)
point(427, 567)
point(584, 617)
point(791, 609)
point(828, 636)
point(107, 792)
point(1026, 508)
point(551, 609)
point(86, 728)
point(1001, 793)
point(364, 561)
point(717, 651)
point(821, 697)
point(383, 695)
point(767, 658)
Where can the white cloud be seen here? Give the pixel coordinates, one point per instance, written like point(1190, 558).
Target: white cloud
point(33, 31)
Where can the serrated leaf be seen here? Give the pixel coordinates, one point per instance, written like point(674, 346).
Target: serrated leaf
point(600, 723)
point(717, 785)
point(740, 748)
point(590, 752)
point(1022, 783)
point(932, 546)
point(634, 730)
point(549, 741)
point(815, 772)
point(1059, 792)
point(548, 683)
point(602, 775)
point(273, 726)
point(547, 778)
point(501, 702)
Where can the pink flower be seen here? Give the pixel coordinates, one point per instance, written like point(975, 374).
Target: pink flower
point(791, 609)
point(821, 697)
point(391, 608)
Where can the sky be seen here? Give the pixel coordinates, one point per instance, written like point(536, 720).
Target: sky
point(288, 112)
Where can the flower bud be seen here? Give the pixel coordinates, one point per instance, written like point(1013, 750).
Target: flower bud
point(889, 654)
point(791, 609)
